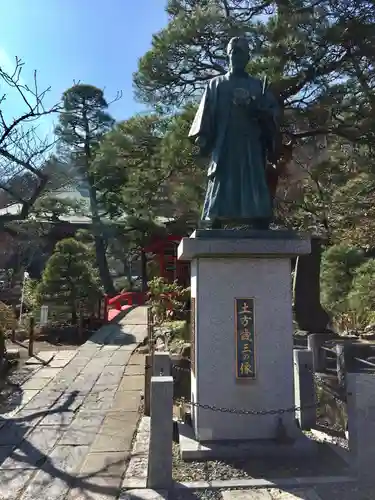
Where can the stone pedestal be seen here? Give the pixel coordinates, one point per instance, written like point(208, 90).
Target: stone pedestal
point(225, 266)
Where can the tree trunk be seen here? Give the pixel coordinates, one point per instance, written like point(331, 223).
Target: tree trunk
point(144, 271)
point(100, 247)
point(2, 345)
point(74, 314)
point(128, 272)
point(102, 263)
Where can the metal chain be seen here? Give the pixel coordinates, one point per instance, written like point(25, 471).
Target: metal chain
point(181, 368)
point(236, 411)
point(279, 411)
point(321, 380)
point(176, 367)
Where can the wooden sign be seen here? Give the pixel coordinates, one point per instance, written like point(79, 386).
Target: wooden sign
point(245, 338)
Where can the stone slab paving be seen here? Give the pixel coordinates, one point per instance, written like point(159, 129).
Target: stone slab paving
point(68, 435)
point(145, 494)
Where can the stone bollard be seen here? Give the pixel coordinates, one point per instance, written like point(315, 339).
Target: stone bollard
point(314, 343)
point(161, 364)
point(161, 434)
point(156, 364)
point(31, 335)
point(304, 388)
point(361, 424)
point(148, 375)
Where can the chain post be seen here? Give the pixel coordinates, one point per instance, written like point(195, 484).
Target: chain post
point(31, 335)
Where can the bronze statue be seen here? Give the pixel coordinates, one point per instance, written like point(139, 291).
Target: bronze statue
point(237, 125)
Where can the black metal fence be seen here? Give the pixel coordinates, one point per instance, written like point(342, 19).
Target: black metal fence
point(334, 357)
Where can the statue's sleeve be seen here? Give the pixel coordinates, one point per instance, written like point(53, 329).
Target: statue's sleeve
point(202, 125)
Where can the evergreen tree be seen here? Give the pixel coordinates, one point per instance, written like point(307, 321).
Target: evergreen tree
point(69, 277)
point(362, 294)
point(319, 59)
point(130, 173)
point(339, 264)
point(82, 123)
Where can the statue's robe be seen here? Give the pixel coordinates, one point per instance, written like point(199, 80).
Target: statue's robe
point(238, 139)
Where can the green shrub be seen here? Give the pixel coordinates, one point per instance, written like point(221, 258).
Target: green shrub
point(362, 294)
point(179, 330)
point(30, 293)
point(339, 264)
point(7, 322)
point(7, 318)
point(166, 298)
point(69, 277)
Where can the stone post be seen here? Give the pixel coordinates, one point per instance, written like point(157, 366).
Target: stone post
point(314, 343)
point(344, 362)
point(161, 434)
point(161, 364)
point(304, 388)
point(31, 335)
point(155, 365)
point(148, 375)
point(361, 424)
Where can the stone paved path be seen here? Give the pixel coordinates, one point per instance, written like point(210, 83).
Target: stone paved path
point(69, 434)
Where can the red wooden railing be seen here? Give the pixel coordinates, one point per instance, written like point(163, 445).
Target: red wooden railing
point(169, 268)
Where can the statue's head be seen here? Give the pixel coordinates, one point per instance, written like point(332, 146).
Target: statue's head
point(238, 53)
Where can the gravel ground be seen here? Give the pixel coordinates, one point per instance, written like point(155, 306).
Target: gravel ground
point(327, 463)
point(10, 390)
point(326, 435)
point(192, 495)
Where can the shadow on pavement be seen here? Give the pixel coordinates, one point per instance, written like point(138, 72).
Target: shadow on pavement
point(27, 456)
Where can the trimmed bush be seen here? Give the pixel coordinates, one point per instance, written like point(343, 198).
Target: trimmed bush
point(339, 264)
point(362, 294)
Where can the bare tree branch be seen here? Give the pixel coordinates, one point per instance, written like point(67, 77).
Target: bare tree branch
point(22, 151)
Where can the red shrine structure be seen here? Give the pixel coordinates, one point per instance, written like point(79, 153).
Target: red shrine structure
point(162, 251)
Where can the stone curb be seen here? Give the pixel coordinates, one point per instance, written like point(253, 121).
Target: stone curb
point(326, 439)
point(135, 476)
point(293, 482)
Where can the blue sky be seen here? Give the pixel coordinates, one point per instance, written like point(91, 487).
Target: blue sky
point(93, 41)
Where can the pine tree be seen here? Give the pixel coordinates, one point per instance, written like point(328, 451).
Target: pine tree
point(319, 60)
point(339, 264)
point(82, 123)
point(69, 277)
